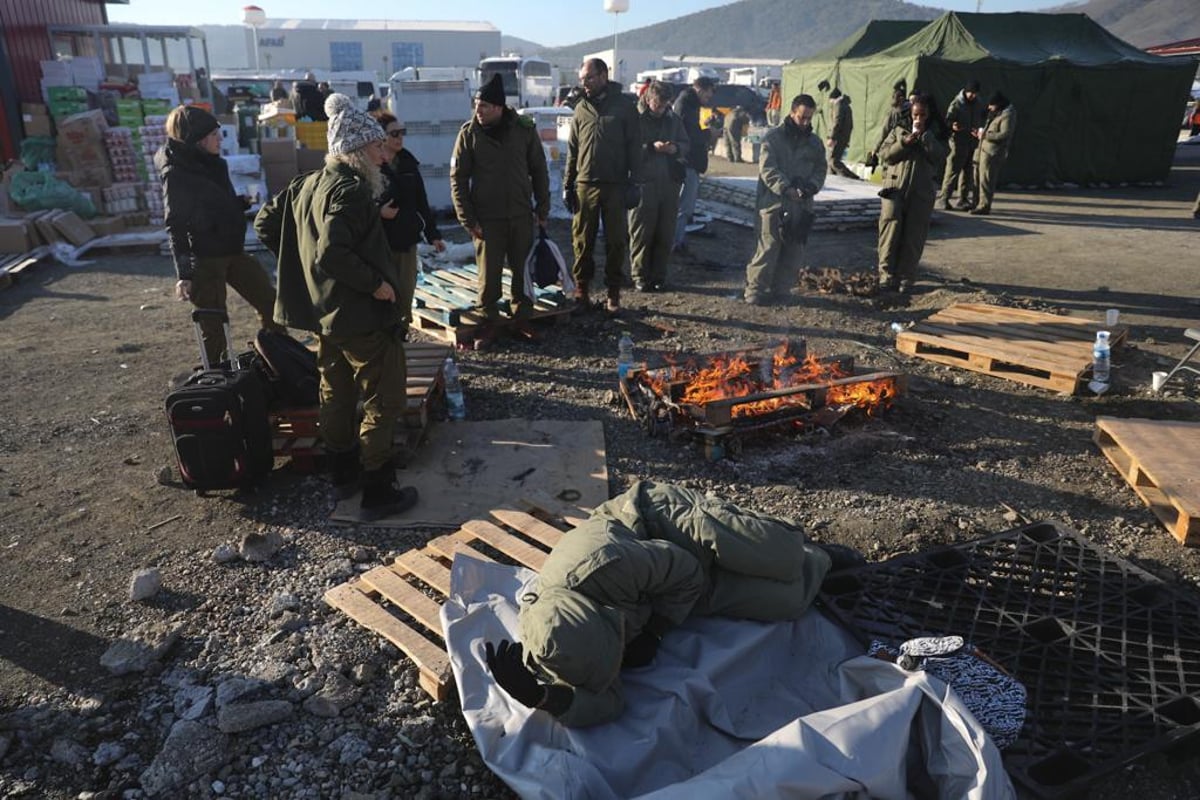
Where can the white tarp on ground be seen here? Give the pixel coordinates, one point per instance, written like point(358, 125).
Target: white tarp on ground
point(728, 709)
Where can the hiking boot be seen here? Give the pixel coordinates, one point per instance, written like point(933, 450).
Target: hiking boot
point(583, 298)
point(344, 472)
point(612, 305)
point(381, 497)
point(905, 287)
point(980, 211)
point(840, 556)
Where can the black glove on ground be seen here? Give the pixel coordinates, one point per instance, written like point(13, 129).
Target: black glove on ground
point(571, 199)
point(641, 650)
point(510, 672)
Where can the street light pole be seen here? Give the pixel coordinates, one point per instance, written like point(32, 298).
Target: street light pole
point(616, 7)
point(255, 18)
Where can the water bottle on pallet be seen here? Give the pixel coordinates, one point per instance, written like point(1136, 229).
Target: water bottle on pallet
point(1101, 356)
point(624, 355)
point(455, 406)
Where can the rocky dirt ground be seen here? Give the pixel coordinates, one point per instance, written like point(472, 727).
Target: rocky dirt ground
point(258, 690)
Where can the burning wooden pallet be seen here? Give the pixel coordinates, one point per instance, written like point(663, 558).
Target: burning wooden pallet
point(722, 396)
point(296, 431)
point(1161, 461)
point(444, 304)
point(402, 601)
point(1032, 347)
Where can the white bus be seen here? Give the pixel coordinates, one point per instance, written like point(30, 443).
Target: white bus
point(528, 81)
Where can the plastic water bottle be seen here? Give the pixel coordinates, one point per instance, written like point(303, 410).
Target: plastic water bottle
point(454, 396)
point(624, 355)
point(1100, 358)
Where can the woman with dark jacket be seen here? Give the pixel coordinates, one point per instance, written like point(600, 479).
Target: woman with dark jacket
point(206, 223)
point(404, 208)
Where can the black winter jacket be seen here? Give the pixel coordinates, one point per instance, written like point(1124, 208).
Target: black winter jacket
point(203, 216)
point(406, 187)
point(687, 106)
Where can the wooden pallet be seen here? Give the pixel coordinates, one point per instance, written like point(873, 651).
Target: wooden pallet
point(13, 265)
point(1044, 350)
point(1161, 461)
point(395, 602)
point(296, 431)
point(444, 304)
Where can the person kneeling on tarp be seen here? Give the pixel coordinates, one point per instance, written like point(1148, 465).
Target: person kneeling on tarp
point(641, 564)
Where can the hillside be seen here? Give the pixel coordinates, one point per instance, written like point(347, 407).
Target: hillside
point(1144, 23)
point(796, 28)
point(767, 28)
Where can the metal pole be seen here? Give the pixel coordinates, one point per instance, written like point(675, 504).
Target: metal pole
point(254, 32)
point(616, 59)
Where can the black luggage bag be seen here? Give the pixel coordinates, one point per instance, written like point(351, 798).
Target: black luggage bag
point(219, 421)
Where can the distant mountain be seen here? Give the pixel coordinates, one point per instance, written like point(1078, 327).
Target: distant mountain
point(798, 28)
point(1143, 23)
point(767, 28)
point(515, 44)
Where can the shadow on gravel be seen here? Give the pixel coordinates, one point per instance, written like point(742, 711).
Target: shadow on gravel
point(55, 652)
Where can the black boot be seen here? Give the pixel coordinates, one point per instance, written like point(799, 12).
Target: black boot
point(840, 556)
point(381, 498)
point(344, 472)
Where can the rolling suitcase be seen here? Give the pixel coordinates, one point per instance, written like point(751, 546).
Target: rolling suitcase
point(219, 421)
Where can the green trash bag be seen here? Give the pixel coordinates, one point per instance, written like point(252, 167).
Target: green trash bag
point(37, 150)
point(34, 191)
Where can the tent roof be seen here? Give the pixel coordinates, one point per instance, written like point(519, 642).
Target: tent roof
point(1019, 38)
point(876, 35)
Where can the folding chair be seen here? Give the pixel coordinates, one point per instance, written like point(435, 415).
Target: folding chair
point(1193, 334)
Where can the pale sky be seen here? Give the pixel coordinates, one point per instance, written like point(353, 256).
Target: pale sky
point(552, 23)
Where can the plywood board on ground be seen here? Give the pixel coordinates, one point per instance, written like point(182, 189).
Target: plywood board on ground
point(1049, 351)
point(1160, 459)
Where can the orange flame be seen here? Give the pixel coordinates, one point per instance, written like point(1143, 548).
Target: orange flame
point(726, 377)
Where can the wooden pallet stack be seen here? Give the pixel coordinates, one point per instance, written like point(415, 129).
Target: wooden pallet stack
point(444, 304)
point(1049, 351)
point(296, 431)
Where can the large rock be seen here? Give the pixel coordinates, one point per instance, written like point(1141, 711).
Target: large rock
point(191, 751)
point(259, 547)
point(248, 716)
point(144, 584)
point(337, 694)
point(140, 648)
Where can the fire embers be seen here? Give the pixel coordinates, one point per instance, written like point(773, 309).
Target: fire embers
point(754, 384)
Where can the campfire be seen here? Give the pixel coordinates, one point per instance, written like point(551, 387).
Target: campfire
point(778, 386)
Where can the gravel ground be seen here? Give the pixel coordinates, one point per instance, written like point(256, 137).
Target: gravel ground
point(246, 685)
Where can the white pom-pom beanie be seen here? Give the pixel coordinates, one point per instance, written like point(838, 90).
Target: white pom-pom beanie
point(349, 128)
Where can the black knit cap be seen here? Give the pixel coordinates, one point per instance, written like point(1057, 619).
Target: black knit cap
point(998, 100)
point(492, 91)
point(196, 123)
point(973, 86)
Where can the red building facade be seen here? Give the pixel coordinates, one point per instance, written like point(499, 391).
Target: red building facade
point(24, 42)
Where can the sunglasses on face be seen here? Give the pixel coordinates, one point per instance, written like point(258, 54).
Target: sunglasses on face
point(396, 133)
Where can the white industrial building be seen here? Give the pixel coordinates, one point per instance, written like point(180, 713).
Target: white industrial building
point(380, 46)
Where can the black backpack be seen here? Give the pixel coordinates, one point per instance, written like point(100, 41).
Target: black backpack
point(291, 370)
point(545, 262)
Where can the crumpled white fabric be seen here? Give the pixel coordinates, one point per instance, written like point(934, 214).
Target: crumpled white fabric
point(729, 708)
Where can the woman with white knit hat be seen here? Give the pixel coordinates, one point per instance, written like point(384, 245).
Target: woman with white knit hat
point(336, 279)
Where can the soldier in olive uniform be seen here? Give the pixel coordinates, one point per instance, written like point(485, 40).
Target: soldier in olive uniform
point(994, 141)
point(652, 223)
point(790, 172)
point(497, 174)
point(604, 154)
point(914, 159)
point(839, 134)
point(965, 117)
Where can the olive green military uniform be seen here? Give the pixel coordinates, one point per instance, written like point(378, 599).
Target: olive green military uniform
point(993, 152)
point(909, 190)
point(497, 175)
point(646, 560)
point(603, 157)
point(960, 163)
point(790, 158)
point(652, 223)
point(332, 255)
point(843, 126)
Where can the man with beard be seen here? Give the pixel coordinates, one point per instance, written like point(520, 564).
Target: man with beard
point(336, 279)
point(601, 180)
point(791, 172)
point(497, 175)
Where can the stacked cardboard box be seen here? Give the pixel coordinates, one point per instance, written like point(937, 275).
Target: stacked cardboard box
point(279, 162)
point(81, 150)
point(35, 118)
point(66, 101)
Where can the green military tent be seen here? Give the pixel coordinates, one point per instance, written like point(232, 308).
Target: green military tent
point(1090, 107)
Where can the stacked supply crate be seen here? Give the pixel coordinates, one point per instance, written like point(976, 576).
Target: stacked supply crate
point(432, 112)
